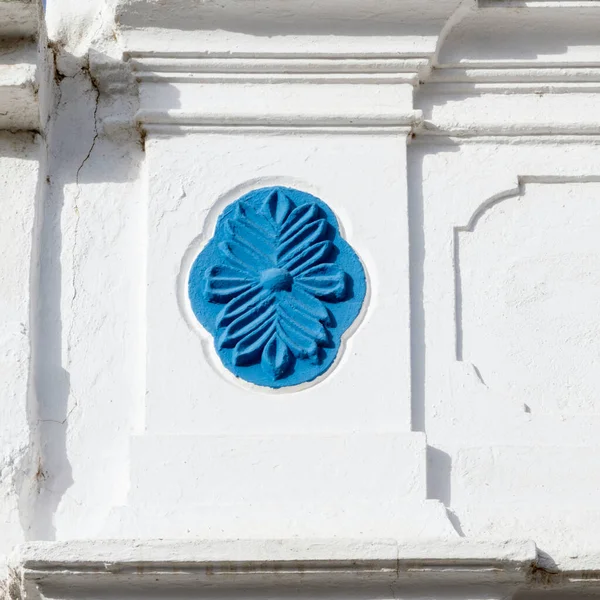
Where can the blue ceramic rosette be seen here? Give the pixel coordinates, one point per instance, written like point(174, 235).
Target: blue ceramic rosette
point(277, 286)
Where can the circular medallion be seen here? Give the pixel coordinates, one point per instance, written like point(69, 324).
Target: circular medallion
point(277, 286)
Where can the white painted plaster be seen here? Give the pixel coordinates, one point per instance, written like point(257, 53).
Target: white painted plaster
point(457, 145)
point(19, 156)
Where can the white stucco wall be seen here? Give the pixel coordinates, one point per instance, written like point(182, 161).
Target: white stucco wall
point(456, 143)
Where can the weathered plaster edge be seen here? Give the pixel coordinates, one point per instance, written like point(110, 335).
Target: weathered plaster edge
point(112, 564)
point(89, 555)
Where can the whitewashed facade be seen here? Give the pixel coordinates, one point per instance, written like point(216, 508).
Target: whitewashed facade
point(451, 450)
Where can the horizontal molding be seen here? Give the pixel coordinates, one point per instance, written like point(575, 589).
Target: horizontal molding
point(530, 74)
point(240, 68)
point(358, 568)
point(507, 129)
point(73, 567)
point(19, 86)
point(19, 18)
point(178, 77)
point(262, 17)
point(539, 3)
point(283, 91)
point(277, 64)
point(274, 120)
point(424, 138)
point(158, 129)
point(262, 554)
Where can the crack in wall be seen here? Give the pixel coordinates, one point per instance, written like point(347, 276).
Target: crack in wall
point(76, 103)
point(96, 91)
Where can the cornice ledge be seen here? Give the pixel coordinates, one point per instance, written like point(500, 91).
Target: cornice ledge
point(19, 18)
point(100, 565)
point(395, 29)
point(267, 17)
point(539, 3)
point(307, 67)
point(21, 64)
point(216, 90)
point(162, 120)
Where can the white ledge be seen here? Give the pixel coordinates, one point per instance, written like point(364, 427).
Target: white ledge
point(96, 568)
point(311, 90)
point(277, 120)
point(110, 554)
point(263, 16)
point(19, 18)
point(19, 69)
point(362, 568)
point(539, 3)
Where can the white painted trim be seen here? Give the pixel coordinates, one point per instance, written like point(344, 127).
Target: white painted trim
point(108, 566)
point(172, 117)
point(539, 3)
point(19, 69)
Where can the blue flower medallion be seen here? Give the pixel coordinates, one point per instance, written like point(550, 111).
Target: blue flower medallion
point(277, 287)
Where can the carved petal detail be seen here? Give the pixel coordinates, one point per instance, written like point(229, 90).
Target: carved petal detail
point(272, 265)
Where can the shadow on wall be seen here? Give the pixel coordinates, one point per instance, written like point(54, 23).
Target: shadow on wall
point(439, 463)
point(80, 153)
point(20, 154)
point(416, 234)
point(266, 18)
point(439, 483)
point(502, 35)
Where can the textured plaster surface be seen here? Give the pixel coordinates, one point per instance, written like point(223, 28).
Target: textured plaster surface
point(19, 159)
point(456, 143)
point(79, 385)
point(511, 409)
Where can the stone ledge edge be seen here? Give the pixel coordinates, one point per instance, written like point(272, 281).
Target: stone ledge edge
point(90, 555)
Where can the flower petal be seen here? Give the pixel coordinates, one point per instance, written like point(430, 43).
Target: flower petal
point(327, 282)
point(253, 321)
point(300, 344)
point(254, 297)
point(254, 239)
point(310, 234)
point(252, 218)
point(276, 357)
point(309, 304)
point(224, 283)
point(313, 255)
point(291, 313)
point(298, 218)
point(249, 350)
point(277, 206)
point(244, 257)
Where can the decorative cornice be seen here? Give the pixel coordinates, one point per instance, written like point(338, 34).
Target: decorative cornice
point(525, 76)
point(539, 3)
point(19, 18)
point(321, 79)
point(66, 569)
point(358, 568)
point(312, 91)
point(20, 68)
point(245, 68)
point(264, 17)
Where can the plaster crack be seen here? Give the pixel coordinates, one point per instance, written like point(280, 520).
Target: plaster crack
point(58, 75)
point(56, 420)
point(96, 92)
point(95, 138)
